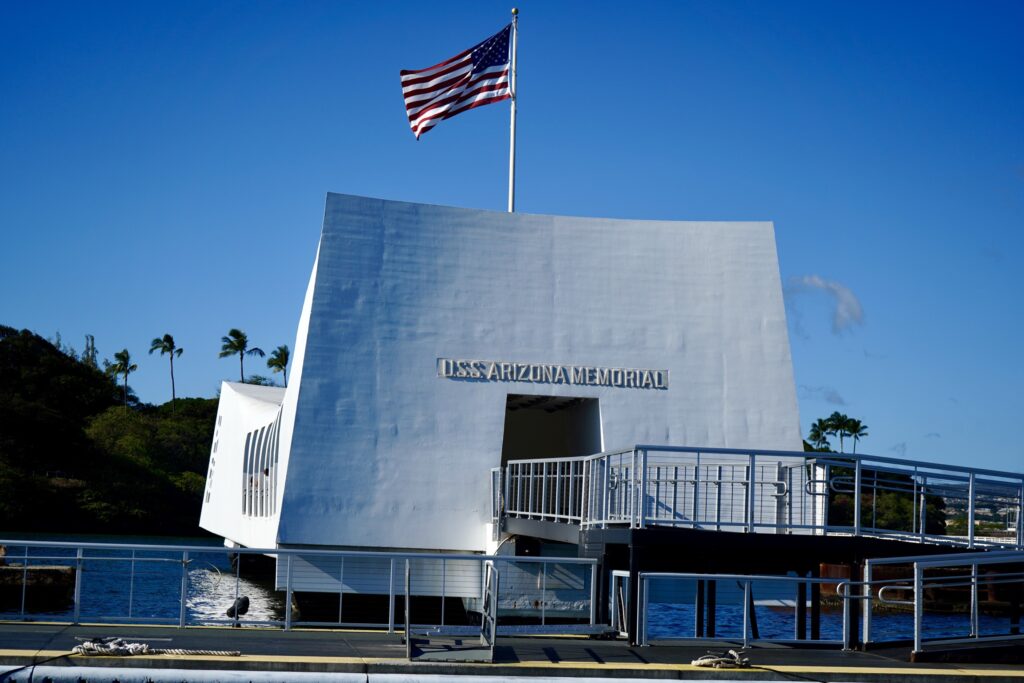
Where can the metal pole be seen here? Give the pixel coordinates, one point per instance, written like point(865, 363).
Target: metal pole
point(746, 614)
point(78, 584)
point(131, 587)
point(238, 581)
point(628, 502)
point(531, 487)
point(751, 493)
point(512, 128)
point(801, 611)
point(558, 490)
point(970, 510)
point(543, 591)
point(918, 605)
point(184, 587)
point(642, 502)
point(866, 592)
point(593, 594)
point(856, 498)
point(696, 495)
point(391, 597)
point(1020, 518)
point(341, 592)
point(924, 508)
point(975, 630)
point(288, 595)
point(641, 616)
point(847, 620)
point(544, 490)
point(24, 584)
point(506, 504)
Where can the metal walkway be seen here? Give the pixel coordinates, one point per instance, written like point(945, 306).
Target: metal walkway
point(775, 492)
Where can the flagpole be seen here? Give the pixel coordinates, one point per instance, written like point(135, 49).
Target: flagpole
point(512, 132)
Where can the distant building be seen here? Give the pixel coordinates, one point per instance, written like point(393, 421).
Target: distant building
point(437, 343)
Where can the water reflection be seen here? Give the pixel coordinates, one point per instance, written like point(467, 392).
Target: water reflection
point(211, 592)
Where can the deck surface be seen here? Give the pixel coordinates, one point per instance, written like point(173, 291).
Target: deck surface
point(369, 652)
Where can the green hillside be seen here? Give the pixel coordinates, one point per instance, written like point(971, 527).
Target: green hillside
point(73, 458)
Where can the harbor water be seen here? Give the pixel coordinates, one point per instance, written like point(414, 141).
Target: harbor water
point(132, 586)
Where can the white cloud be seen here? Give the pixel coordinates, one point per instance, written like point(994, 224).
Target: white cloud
point(847, 312)
point(826, 394)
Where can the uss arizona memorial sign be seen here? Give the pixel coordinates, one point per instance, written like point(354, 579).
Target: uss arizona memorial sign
point(544, 373)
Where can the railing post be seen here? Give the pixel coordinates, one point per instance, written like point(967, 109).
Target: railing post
point(544, 490)
point(558, 490)
point(24, 584)
point(585, 496)
point(519, 485)
point(530, 487)
point(642, 498)
point(391, 596)
point(970, 510)
point(857, 473)
point(131, 587)
point(630, 509)
point(918, 605)
point(915, 515)
point(975, 630)
point(924, 507)
point(79, 564)
point(506, 502)
point(606, 496)
point(866, 592)
point(847, 626)
point(1020, 518)
point(288, 594)
point(543, 591)
point(751, 494)
point(746, 614)
point(641, 615)
point(184, 588)
point(593, 594)
point(570, 507)
point(718, 498)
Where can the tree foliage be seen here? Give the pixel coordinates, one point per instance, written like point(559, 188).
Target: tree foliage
point(278, 361)
point(237, 343)
point(73, 460)
point(166, 345)
point(839, 425)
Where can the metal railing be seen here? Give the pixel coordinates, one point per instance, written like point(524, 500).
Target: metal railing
point(191, 585)
point(725, 607)
point(948, 587)
point(768, 492)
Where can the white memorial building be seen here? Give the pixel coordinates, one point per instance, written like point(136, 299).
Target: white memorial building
point(437, 343)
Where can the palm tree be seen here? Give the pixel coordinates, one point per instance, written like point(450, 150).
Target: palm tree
point(122, 365)
point(857, 430)
point(819, 433)
point(837, 426)
point(278, 361)
point(238, 342)
point(166, 345)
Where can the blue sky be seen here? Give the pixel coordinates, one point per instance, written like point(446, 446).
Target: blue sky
point(163, 168)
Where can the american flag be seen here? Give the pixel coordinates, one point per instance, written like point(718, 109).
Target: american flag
point(472, 78)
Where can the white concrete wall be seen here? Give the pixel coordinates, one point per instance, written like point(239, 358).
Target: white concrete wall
point(386, 454)
point(242, 408)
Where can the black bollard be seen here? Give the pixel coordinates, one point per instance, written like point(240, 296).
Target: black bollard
point(239, 607)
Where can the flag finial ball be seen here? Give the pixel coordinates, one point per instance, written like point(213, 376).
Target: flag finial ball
point(515, 11)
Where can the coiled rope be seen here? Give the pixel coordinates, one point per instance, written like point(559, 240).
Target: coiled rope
point(117, 647)
point(725, 660)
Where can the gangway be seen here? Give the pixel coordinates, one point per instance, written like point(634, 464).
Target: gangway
point(773, 492)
